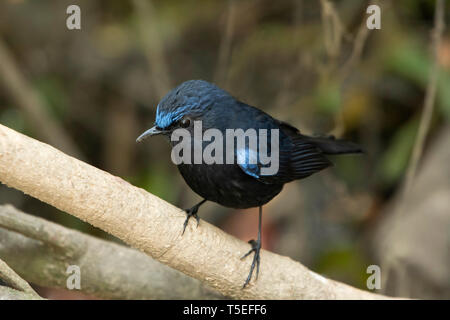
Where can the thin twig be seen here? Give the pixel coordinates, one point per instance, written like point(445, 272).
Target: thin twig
point(355, 56)
point(28, 100)
point(333, 34)
point(333, 28)
point(153, 46)
point(220, 76)
point(430, 97)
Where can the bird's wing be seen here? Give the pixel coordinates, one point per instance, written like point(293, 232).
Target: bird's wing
point(305, 158)
point(252, 168)
point(298, 158)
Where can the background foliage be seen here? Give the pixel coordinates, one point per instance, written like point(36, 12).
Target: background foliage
point(100, 85)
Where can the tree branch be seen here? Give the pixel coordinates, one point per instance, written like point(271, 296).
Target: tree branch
point(154, 226)
point(13, 279)
point(41, 251)
point(7, 293)
point(18, 288)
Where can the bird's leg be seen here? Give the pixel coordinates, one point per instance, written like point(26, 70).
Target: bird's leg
point(192, 212)
point(256, 248)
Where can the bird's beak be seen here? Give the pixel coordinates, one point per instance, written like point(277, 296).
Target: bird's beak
point(150, 132)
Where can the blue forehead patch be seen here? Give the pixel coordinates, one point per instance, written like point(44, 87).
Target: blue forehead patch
point(165, 118)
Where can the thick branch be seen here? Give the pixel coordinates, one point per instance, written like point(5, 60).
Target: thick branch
point(7, 293)
point(40, 251)
point(18, 288)
point(154, 226)
point(13, 279)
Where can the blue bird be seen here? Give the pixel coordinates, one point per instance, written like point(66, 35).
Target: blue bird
point(240, 183)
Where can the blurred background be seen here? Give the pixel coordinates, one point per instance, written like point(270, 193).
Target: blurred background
point(314, 64)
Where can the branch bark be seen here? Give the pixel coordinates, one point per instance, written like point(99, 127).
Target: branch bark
point(154, 226)
point(40, 251)
point(18, 288)
point(13, 279)
point(7, 293)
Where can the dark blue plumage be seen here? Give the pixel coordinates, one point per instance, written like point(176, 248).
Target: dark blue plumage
point(239, 185)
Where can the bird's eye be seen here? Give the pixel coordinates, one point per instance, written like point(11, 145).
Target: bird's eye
point(186, 122)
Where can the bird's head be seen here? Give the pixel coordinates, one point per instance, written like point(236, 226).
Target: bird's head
point(188, 102)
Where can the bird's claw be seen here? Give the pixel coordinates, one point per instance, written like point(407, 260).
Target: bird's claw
point(192, 212)
point(256, 248)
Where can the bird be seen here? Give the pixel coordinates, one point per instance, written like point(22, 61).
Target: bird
point(239, 184)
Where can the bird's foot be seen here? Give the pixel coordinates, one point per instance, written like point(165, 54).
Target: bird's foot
point(192, 212)
point(256, 248)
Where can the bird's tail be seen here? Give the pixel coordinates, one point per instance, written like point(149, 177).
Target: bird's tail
point(331, 145)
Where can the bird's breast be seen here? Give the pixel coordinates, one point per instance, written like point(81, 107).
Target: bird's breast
point(227, 185)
